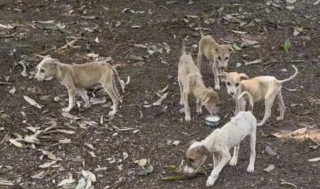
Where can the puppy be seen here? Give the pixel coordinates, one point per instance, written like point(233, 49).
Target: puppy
point(78, 77)
point(217, 54)
point(190, 82)
point(261, 88)
point(220, 141)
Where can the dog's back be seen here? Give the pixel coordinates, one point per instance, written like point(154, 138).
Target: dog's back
point(238, 128)
point(89, 74)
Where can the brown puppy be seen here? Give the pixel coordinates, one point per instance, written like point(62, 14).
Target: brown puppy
point(263, 88)
point(217, 54)
point(190, 82)
point(78, 77)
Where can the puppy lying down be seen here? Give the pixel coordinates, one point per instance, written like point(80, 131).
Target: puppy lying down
point(78, 77)
point(220, 141)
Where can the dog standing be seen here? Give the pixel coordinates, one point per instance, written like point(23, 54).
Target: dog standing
point(220, 141)
point(217, 54)
point(78, 77)
point(190, 82)
point(263, 88)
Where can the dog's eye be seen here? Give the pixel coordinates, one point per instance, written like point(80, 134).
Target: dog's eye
point(219, 58)
point(228, 83)
point(191, 160)
point(42, 71)
point(227, 58)
point(218, 105)
point(237, 84)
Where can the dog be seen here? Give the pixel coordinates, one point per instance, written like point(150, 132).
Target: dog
point(220, 141)
point(217, 54)
point(261, 88)
point(78, 77)
point(190, 82)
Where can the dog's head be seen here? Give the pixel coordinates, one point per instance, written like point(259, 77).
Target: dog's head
point(223, 56)
point(46, 68)
point(211, 101)
point(195, 157)
point(233, 81)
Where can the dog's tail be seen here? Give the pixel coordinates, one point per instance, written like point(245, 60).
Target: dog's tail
point(293, 76)
point(184, 46)
point(191, 80)
point(250, 99)
point(200, 30)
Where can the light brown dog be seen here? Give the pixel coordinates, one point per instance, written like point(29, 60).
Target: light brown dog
point(217, 54)
point(263, 88)
point(190, 82)
point(78, 77)
point(220, 141)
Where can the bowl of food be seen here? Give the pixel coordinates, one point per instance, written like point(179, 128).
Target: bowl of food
point(212, 120)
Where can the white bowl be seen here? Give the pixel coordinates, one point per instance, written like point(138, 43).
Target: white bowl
point(212, 120)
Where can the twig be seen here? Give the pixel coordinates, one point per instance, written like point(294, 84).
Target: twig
point(296, 61)
point(258, 61)
point(5, 83)
point(288, 183)
point(265, 68)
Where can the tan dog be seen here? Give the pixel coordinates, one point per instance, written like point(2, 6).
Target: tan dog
point(217, 54)
point(220, 141)
point(190, 82)
point(263, 88)
point(77, 77)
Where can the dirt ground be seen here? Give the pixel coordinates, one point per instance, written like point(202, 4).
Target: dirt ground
point(107, 29)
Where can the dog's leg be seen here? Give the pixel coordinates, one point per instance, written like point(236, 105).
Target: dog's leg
point(216, 159)
point(84, 97)
point(72, 101)
point(252, 151)
point(115, 88)
point(186, 107)
point(181, 92)
point(199, 108)
point(199, 59)
point(268, 105)
point(109, 88)
point(216, 76)
point(215, 172)
point(234, 159)
point(282, 108)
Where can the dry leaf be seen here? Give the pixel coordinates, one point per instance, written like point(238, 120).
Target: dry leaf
point(269, 168)
point(88, 174)
point(70, 116)
point(31, 101)
point(65, 131)
point(48, 164)
point(39, 175)
point(65, 141)
point(16, 143)
point(291, 1)
point(67, 181)
point(176, 142)
point(92, 154)
point(141, 162)
point(92, 55)
point(6, 26)
point(160, 100)
point(81, 184)
point(314, 159)
point(111, 160)
point(12, 91)
point(89, 145)
point(125, 155)
point(97, 40)
point(317, 2)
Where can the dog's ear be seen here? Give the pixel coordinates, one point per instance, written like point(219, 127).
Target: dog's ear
point(203, 150)
point(209, 95)
point(230, 48)
point(243, 76)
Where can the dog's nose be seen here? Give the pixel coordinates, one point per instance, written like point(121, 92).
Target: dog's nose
point(222, 67)
point(231, 93)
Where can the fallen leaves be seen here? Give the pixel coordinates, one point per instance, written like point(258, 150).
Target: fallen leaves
point(141, 162)
point(146, 171)
point(269, 168)
point(16, 143)
point(31, 101)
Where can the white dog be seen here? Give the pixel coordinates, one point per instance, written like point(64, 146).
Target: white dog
point(219, 142)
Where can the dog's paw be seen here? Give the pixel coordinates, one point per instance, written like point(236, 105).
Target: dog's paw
point(112, 113)
point(187, 118)
point(233, 161)
point(210, 181)
point(217, 87)
point(279, 118)
point(250, 168)
point(181, 102)
point(66, 109)
point(86, 105)
point(199, 112)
